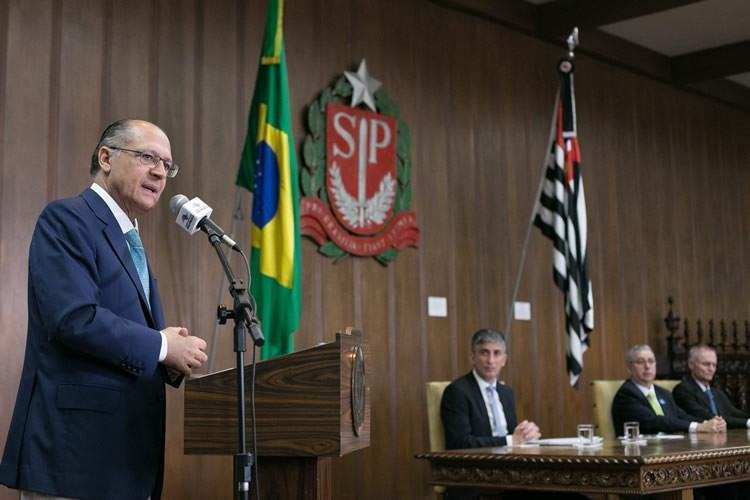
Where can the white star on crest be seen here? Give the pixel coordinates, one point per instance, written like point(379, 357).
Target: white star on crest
point(363, 86)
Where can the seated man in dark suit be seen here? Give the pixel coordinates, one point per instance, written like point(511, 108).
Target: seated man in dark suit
point(695, 395)
point(477, 410)
point(638, 399)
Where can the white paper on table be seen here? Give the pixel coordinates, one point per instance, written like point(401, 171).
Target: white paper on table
point(566, 441)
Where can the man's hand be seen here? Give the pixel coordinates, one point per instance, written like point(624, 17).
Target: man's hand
point(716, 424)
point(185, 353)
point(526, 431)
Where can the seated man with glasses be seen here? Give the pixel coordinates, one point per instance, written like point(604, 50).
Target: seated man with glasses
point(653, 407)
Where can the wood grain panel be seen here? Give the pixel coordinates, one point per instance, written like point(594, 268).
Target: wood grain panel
point(665, 174)
point(80, 52)
point(26, 111)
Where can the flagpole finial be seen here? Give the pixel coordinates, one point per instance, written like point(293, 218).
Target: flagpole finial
point(572, 42)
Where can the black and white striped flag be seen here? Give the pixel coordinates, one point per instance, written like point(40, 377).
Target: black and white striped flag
point(561, 215)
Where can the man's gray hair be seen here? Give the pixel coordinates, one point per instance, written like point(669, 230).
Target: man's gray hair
point(117, 135)
point(693, 352)
point(487, 335)
point(630, 353)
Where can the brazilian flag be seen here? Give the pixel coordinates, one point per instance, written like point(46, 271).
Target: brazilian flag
point(269, 169)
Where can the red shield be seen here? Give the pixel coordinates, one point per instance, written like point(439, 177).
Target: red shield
point(361, 168)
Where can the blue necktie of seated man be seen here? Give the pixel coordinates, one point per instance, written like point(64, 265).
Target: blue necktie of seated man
point(712, 402)
point(139, 259)
point(498, 429)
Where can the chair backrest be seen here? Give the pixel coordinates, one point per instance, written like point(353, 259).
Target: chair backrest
point(434, 422)
point(602, 394)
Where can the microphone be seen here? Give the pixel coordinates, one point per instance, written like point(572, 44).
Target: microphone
point(194, 215)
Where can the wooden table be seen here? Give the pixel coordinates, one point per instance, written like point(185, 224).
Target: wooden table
point(668, 468)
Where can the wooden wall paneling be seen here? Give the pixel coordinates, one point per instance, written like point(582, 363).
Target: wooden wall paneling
point(683, 251)
point(703, 251)
point(647, 133)
point(339, 295)
point(174, 111)
point(9, 372)
point(602, 138)
point(432, 199)
point(303, 34)
point(26, 110)
point(333, 287)
point(410, 302)
point(661, 234)
point(723, 216)
point(133, 47)
point(78, 107)
point(499, 151)
point(734, 261)
point(405, 305)
point(629, 215)
point(707, 225)
point(741, 233)
point(362, 307)
point(502, 146)
point(478, 98)
point(434, 165)
point(735, 233)
point(217, 160)
point(462, 160)
point(674, 251)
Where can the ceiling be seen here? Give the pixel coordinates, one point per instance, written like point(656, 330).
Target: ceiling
point(699, 45)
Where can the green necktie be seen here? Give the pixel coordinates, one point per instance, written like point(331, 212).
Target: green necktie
point(139, 259)
point(654, 404)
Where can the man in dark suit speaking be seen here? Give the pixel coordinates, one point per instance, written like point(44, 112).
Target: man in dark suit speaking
point(695, 395)
point(638, 399)
point(90, 412)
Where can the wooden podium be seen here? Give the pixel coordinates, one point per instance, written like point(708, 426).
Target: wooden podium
point(311, 406)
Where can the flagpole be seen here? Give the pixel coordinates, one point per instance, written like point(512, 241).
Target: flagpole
point(524, 248)
point(236, 215)
point(572, 42)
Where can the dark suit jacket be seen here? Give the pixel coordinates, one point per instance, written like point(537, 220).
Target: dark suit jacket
point(630, 404)
point(89, 415)
point(690, 397)
point(465, 418)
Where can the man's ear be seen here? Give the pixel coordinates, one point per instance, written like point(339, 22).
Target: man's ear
point(105, 158)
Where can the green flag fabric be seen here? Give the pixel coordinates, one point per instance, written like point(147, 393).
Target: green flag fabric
point(269, 169)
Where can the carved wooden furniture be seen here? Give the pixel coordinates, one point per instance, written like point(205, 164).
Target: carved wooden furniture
point(311, 406)
point(732, 343)
point(669, 469)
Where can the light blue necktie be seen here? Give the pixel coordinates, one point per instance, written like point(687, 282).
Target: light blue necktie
point(499, 429)
point(139, 259)
point(712, 401)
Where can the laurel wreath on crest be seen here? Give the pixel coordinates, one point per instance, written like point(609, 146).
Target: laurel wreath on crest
point(313, 173)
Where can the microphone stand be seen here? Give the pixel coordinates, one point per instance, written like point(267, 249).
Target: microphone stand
point(244, 317)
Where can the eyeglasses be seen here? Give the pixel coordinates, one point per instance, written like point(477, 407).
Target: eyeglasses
point(641, 361)
point(151, 160)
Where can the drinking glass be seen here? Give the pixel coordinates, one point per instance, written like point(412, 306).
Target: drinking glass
point(632, 432)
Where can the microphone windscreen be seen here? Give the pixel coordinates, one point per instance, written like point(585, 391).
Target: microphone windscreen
point(176, 203)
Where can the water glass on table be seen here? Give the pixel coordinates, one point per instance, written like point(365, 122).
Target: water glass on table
point(585, 433)
point(631, 432)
